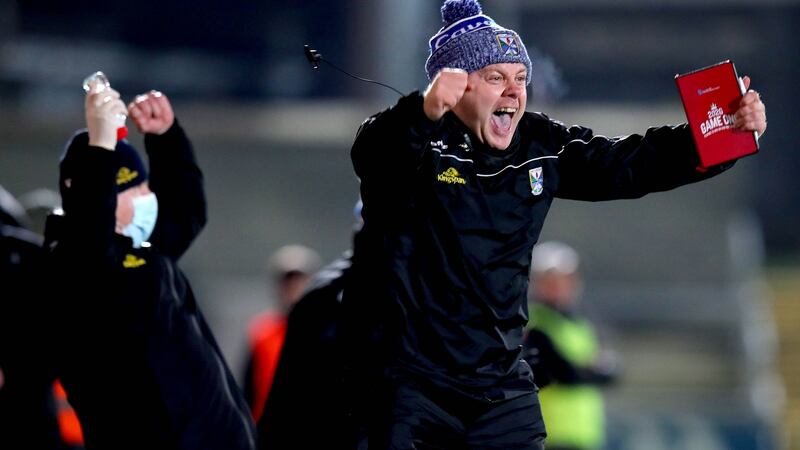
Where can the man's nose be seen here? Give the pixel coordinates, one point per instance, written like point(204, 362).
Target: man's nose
point(513, 90)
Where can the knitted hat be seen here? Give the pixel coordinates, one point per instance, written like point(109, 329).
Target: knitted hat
point(129, 167)
point(471, 41)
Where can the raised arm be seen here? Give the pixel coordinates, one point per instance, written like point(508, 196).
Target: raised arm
point(87, 179)
point(175, 176)
point(600, 168)
point(392, 142)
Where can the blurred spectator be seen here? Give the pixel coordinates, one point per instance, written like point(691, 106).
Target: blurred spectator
point(563, 351)
point(306, 386)
point(291, 267)
point(12, 212)
point(38, 204)
point(27, 407)
point(135, 355)
point(299, 395)
point(69, 426)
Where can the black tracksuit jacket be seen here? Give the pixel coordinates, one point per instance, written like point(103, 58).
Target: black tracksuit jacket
point(449, 225)
point(136, 357)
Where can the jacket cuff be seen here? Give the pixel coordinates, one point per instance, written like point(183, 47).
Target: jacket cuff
point(174, 137)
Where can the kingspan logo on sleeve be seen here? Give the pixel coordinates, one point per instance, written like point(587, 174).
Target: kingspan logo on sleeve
point(537, 180)
point(451, 176)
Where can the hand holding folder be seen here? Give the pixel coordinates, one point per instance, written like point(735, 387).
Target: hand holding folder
point(724, 117)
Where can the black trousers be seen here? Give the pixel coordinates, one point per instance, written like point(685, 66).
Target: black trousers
point(423, 418)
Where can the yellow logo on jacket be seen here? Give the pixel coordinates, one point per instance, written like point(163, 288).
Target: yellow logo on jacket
point(451, 176)
point(125, 175)
point(132, 262)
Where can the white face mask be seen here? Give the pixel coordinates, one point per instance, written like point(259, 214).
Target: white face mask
point(145, 212)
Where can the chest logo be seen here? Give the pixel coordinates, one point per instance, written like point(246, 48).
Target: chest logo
point(508, 44)
point(536, 180)
point(451, 176)
point(439, 145)
point(132, 262)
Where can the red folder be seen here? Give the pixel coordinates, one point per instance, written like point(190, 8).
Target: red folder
point(711, 96)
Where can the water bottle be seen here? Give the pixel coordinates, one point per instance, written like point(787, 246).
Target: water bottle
point(100, 82)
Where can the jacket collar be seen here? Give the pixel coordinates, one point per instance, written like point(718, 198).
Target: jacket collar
point(454, 126)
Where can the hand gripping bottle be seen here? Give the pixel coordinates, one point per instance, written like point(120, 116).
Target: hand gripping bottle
point(100, 82)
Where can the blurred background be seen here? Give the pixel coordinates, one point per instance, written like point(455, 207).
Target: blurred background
point(697, 289)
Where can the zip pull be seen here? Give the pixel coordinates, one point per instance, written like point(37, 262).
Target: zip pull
point(468, 142)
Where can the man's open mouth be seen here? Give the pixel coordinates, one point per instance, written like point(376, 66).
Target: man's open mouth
point(501, 119)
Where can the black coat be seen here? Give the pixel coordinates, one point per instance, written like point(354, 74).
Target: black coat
point(27, 408)
point(137, 359)
point(307, 404)
point(449, 225)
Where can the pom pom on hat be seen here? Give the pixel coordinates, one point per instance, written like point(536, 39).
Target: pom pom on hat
point(455, 10)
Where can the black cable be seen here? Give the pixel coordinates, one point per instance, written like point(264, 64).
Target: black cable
point(360, 78)
point(314, 57)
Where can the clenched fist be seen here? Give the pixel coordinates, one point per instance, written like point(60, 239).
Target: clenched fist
point(151, 113)
point(444, 92)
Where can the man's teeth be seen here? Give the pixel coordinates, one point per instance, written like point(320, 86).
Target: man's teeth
point(506, 111)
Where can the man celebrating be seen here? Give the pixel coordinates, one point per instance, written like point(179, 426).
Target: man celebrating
point(135, 355)
point(456, 183)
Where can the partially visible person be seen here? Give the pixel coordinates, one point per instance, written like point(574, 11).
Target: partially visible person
point(69, 426)
point(135, 356)
point(38, 204)
point(28, 414)
point(563, 351)
point(12, 212)
point(307, 385)
point(291, 268)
